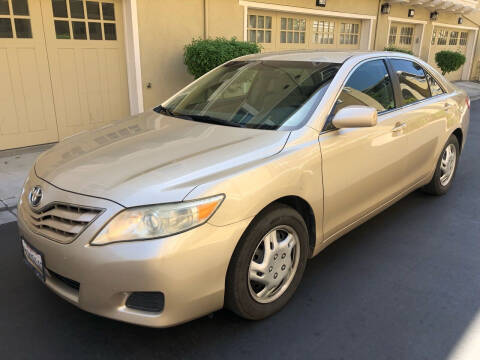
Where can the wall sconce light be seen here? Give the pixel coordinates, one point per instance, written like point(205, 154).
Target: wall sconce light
point(411, 12)
point(460, 21)
point(322, 3)
point(385, 9)
point(434, 15)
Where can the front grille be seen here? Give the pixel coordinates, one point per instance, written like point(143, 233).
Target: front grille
point(69, 282)
point(61, 222)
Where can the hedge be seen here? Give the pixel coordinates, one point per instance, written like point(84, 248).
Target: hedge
point(201, 56)
point(449, 61)
point(393, 48)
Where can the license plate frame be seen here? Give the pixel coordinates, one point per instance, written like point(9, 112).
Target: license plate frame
point(34, 259)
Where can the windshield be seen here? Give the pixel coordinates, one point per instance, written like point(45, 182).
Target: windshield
point(255, 94)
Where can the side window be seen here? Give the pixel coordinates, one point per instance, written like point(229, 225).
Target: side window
point(413, 82)
point(369, 85)
point(434, 87)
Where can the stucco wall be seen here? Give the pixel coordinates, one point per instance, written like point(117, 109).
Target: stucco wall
point(164, 28)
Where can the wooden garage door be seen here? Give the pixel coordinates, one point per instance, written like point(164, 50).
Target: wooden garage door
point(284, 31)
point(85, 45)
point(401, 36)
point(27, 115)
point(448, 39)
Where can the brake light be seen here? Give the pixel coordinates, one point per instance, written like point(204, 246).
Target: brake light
point(467, 101)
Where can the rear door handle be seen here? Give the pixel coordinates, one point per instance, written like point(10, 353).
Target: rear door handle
point(399, 127)
point(447, 106)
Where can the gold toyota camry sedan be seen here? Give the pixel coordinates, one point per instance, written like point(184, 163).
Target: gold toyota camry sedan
point(219, 196)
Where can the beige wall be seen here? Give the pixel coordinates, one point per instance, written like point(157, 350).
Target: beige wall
point(166, 26)
point(364, 7)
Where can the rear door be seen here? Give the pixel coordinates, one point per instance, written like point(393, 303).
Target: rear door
point(363, 168)
point(423, 114)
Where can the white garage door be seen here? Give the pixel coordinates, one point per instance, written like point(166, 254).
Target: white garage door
point(283, 31)
point(62, 69)
point(448, 39)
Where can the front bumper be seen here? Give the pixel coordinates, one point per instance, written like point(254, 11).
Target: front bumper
point(189, 268)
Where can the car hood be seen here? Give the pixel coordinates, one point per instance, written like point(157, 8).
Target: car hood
point(152, 158)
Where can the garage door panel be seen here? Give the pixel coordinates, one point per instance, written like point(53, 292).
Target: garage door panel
point(68, 68)
point(9, 119)
point(27, 115)
point(31, 89)
point(115, 81)
point(93, 82)
point(88, 69)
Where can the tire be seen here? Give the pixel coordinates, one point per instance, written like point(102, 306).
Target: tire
point(436, 185)
point(279, 225)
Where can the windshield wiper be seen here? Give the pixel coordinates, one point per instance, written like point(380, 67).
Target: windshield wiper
point(162, 109)
point(210, 120)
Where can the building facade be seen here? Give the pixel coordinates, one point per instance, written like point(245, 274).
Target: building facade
point(71, 65)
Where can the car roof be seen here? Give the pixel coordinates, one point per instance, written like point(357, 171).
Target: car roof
point(319, 55)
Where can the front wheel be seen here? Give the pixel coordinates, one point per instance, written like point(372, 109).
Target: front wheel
point(267, 264)
point(446, 168)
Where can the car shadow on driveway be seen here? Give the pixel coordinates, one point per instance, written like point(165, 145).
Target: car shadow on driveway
point(404, 285)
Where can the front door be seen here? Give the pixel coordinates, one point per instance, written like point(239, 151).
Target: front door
point(27, 115)
point(363, 168)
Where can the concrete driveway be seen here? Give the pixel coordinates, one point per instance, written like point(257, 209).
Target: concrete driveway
point(405, 285)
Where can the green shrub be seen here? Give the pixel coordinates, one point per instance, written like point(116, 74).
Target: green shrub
point(393, 48)
point(201, 56)
point(449, 61)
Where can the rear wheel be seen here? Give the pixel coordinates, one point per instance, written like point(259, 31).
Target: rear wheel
point(267, 264)
point(446, 168)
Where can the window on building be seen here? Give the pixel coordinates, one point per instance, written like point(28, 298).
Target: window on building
point(392, 38)
point(72, 20)
point(292, 30)
point(323, 32)
point(435, 88)
point(463, 38)
point(434, 37)
point(14, 19)
point(369, 85)
point(413, 83)
point(453, 38)
point(406, 35)
point(260, 29)
point(349, 33)
point(442, 37)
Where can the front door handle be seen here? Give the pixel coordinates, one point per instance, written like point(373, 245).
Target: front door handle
point(399, 127)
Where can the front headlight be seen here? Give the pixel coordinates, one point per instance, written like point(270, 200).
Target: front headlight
point(155, 221)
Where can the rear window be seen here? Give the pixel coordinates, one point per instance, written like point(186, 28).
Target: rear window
point(413, 82)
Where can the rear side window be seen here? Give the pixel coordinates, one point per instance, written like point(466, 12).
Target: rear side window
point(413, 82)
point(435, 89)
point(369, 85)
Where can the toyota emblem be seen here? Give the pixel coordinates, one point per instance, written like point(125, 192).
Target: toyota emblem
point(35, 196)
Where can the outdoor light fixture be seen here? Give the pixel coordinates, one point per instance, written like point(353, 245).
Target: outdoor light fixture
point(322, 3)
point(385, 9)
point(460, 20)
point(434, 15)
point(411, 12)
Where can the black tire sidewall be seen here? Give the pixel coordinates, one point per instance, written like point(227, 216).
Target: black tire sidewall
point(237, 294)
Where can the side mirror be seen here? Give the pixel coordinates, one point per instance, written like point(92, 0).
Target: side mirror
point(355, 116)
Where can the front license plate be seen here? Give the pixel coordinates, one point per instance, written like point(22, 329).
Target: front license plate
point(34, 259)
